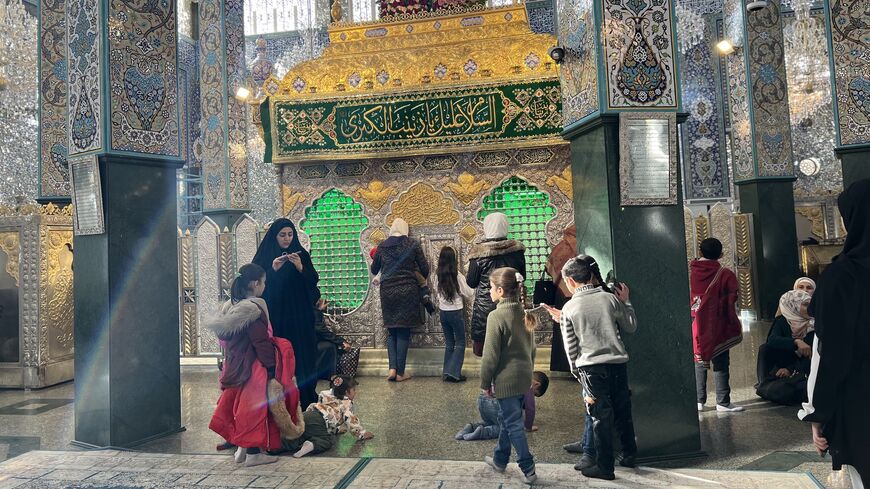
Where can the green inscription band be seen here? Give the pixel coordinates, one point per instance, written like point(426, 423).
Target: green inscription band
point(380, 125)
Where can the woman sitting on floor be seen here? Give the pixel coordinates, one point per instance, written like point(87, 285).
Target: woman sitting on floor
point(786, 355)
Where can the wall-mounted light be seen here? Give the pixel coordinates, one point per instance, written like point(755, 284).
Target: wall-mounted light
point(242, 94)
point(725, 47)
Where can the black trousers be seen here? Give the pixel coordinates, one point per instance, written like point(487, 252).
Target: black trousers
point(327, 355)
point(607, 384)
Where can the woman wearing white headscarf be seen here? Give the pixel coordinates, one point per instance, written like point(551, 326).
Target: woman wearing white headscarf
point(495, 251)
point(398, 259)
point(790, 338)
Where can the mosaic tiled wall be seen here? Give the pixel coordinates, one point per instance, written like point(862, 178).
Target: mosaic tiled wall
point(83, 23)
point(542, 16)
point(814, 136)
point(54, 170)
point(189, 99)
point(769, 96)
point(851, 39)
point(142, 77)
point(237, 111)
point(579, 71)
point(441, 197)
point(224, 119)
point(742, 164)
point(638, 46)
point(705, 164)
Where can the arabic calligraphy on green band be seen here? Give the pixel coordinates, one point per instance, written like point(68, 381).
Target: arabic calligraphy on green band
point(445, 118)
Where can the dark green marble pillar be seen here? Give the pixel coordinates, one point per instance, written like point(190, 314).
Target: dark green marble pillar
point(646, 248)
point(123, 115)
point(775, 250)
point(128, 379)
point(856, 163)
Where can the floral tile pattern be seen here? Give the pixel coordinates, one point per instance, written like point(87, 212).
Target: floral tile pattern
point(83, 104)
point(738, 103)
point(850, 30)
point(53, 86)
point(579, 73)
point(705, 170)
point(769, 95)
point(142, 77)
point(638, 46)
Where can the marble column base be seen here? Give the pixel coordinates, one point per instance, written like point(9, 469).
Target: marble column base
point(646, 248)
point(128, 378)
point(775, 249)
point(856, 163)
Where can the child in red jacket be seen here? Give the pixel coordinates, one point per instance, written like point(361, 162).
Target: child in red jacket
point(715, 326)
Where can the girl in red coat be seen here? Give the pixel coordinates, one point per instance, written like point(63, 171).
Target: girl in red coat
point(255, 363)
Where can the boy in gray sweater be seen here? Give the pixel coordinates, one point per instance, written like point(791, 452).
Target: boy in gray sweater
point(592, 322)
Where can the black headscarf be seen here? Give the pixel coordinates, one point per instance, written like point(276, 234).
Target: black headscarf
point(854, 206)
point(290, 295)
point(269, 248)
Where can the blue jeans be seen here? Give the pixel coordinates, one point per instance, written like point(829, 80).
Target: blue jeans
point(588, 437)
point(511, 421)
point(453, 324)
point(397, 348)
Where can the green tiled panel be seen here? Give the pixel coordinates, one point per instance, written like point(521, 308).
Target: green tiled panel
point(334, 222)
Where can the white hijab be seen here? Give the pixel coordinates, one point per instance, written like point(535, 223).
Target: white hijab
point(399, 227)
point(495, 226)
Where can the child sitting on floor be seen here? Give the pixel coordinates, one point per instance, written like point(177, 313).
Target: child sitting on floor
point(331, 415)
point(488, 428)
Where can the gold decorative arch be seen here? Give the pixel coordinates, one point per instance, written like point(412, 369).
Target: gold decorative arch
point(423, 205)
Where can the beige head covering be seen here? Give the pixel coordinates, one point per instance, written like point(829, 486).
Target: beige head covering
point(495, 226)
point(790, 304)
point(399, 227)
point(804, 279)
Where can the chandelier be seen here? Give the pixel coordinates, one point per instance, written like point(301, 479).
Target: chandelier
point(690, 27)
point(18, 99)
point(806, 61)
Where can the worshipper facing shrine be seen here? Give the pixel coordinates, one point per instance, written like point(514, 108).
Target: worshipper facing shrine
point(452, 291)
point(839, 381)
point(562, 252)
point(495, 251)
point(257, 366)
point(398, 259)
point(290, 293)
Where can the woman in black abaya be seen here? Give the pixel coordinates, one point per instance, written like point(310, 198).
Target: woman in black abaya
point(291, 282)
point(839, 382)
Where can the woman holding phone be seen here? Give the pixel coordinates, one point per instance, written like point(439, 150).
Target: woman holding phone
point(291, 284)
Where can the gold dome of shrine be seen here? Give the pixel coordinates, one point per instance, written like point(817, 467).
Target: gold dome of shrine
point(432, 49)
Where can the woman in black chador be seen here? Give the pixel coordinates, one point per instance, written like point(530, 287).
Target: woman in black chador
point(291, 283)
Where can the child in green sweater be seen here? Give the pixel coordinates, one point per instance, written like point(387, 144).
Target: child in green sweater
point(506, 368)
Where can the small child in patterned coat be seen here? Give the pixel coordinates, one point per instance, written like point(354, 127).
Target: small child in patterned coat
point(331, 415)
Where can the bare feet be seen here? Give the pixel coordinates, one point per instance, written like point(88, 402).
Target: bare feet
point(392, 375)
point(402, 378)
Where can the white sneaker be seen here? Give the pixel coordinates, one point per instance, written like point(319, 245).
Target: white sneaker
point(260, 459)
point(529, 478)
point(730, 408)
point(240, 455)
point(700, 407)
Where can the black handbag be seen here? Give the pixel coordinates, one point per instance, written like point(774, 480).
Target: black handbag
point(545, 291)
point(348, 362)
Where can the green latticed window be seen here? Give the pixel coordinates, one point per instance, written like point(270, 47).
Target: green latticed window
point(334, 222)
point(528, 211)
